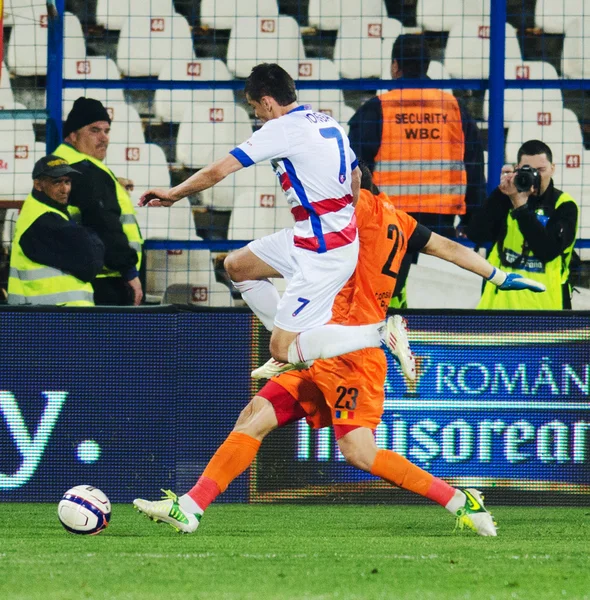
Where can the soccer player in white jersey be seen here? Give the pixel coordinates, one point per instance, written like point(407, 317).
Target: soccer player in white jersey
point(310, 153)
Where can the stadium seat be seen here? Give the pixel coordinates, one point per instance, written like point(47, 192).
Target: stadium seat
point(112, 13)
point(555, 16)
point(27, 48)
point(223, 14)
point(209, 131)
point(359, 51)
point(16, 167)
point(317, 69)
point(264, 39)
point(477, 9)
point(126, 126)
point(467, 54)
point(198, 294)
point(438, 15)
point(558, 129)
point(520, 104)
point(144, 164)
point(174, 223)
point(17, 132)
point(91, 67)
point(15, 9)
point(576, 46)
point(147, 43)
point(9, 226)
point(581, 296)
point(435, 283)
point(441, 15)
point(258, 213)
point(170, 105)
point(329, 15)
point(223, 195)
point(39, 150)
point(330, 102)
point(6, 95)
point(166, 267)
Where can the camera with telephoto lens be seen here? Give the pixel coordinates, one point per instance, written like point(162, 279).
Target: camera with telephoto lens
point(527, 177)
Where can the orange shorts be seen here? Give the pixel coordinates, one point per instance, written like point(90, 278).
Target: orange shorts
point(349, 388)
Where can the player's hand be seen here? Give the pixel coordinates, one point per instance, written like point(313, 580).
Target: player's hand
point(514, 281)
point(156, 197)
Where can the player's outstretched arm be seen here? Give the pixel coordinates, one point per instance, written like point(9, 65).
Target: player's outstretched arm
point(201, 180)
point(469, 260)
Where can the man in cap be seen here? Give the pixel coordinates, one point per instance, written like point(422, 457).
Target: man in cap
point(53, 259)
point(99, 201)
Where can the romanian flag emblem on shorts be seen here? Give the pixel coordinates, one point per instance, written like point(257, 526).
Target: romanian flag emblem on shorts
point(345, 414)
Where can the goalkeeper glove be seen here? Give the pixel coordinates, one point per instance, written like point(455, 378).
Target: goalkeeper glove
point(514, 281)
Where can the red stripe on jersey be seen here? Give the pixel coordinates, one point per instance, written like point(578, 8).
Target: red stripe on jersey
point(335, 239)
point(285, 182)
point(321, 207)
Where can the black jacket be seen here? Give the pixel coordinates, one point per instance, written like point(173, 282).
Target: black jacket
point(62, 244)
point(95, 194)
point(546, 240)
point(366, 128)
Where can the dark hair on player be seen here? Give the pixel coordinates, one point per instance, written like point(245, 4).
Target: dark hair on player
point(534, 147)
point(367, 179)
point(412, 55)
point(269, 79)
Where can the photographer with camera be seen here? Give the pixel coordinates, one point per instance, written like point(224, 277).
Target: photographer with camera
point(532, 226)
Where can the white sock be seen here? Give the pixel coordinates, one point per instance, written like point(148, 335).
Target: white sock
point(328, 341)
point(456, 502)
point(189, 505)
point(262, 297)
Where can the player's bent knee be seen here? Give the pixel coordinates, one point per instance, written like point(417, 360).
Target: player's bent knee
point(279, 344)
point(279, 351)
point(257, 419)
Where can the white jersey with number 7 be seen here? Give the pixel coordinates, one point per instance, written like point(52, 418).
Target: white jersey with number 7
point(311, 155)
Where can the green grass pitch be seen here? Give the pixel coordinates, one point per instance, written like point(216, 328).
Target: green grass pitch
point(262, 552)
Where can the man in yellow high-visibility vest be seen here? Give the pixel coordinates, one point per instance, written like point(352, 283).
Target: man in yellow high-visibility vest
point(532, 227)
point(99, 201)
point(53, 259)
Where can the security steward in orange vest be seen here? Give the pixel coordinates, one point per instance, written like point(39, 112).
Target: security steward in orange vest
point(423, 148)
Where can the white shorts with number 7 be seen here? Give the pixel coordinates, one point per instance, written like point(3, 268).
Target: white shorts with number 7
point(314, 280)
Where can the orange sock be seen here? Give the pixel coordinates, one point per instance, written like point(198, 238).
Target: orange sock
point(232, 458)
point(400, 471)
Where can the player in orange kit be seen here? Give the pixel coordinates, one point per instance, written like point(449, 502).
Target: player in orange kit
point(346, 392)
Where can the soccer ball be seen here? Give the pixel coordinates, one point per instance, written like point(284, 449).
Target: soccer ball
point(85, 510)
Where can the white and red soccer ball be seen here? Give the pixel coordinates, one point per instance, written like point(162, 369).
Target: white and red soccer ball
point(84, 510)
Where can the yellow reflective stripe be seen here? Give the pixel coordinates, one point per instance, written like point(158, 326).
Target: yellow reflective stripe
point(35, 274)
point(55, 298)
point(419, 165)
point(413, 189)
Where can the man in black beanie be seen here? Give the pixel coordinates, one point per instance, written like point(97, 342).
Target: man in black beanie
point(100, 202)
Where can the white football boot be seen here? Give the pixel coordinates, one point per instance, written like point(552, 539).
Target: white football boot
point(473, 514)
point(397, 341)
point(168, 511)
point(273, 367)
